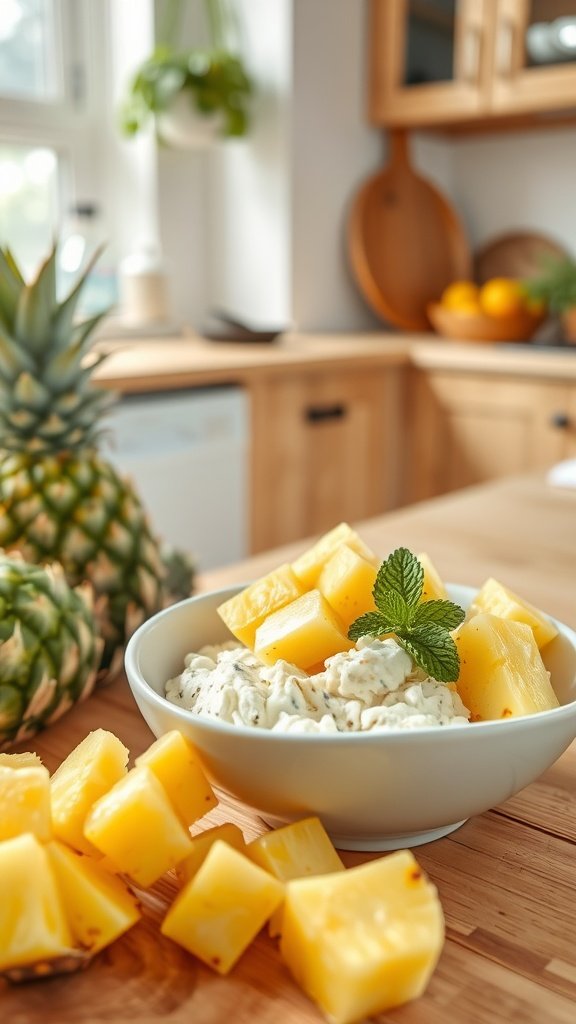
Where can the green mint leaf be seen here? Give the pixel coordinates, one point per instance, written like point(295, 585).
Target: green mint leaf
point(434, 650)
point(392, 606)
point(443, 613)
point(370, 624)
point(401, 573)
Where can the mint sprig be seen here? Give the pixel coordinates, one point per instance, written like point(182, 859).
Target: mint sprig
point(422, 628)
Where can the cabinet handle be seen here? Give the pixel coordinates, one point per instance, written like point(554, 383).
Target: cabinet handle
point(319, 413)
point(560, 420)
point(505, 48)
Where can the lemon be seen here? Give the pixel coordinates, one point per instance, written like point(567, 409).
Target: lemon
point(460, 295)
point(501, 296)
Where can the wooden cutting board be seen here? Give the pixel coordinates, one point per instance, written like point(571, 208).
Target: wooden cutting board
point(405, 241)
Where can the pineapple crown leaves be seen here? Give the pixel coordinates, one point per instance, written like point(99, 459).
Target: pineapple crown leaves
point(45, 379)
point(422, 628)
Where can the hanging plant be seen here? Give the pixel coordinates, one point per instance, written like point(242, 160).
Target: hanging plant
point(209, 84)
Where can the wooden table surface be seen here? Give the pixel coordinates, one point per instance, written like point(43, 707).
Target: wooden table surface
point(507, 878)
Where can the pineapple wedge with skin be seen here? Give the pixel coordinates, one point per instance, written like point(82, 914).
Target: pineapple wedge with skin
point(221, 910)
point(90, 770)
point(201, 845)
point(33, 925)
point(304, 633)
point(499, 600)
point(177, 767)
point(25, 802)
point(308, 566)
point(347, 582)
point(501, 669)
point(294, 851)
point(247, 610)
point(362, 941)
point(98, 906)
point(136, 827)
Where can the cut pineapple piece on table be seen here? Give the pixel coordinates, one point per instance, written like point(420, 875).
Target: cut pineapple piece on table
point(309, 565)
point(135, 825)
point(25, 802)
point(25, 760)
point(364, 940)
point(89, 771)
point(33, 925)
point(347, 582)
point(98, 907)
point(497, 599)
point(177, 766)
point(294, 851)
point(433, 588)
point(501, 669)
point(304, 633)
point(248, 609)
point(201, 844)
point(221, 910)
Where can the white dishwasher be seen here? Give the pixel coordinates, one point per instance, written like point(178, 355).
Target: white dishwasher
point(187, 454)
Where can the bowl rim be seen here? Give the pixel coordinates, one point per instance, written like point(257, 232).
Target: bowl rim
point(137, 682)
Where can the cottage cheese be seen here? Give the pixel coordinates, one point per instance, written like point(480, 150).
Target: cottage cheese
point(375, 685)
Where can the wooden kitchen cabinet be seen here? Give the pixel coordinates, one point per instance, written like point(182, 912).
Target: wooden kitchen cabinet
point(466, 428)
point(466, 63)
point(325, 449)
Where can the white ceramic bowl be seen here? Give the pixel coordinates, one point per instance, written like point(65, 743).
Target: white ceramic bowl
point(375, 791)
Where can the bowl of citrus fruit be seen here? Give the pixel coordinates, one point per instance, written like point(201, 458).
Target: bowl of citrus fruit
point(497, 310)
point(363, 690)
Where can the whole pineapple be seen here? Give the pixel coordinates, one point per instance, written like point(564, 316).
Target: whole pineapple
point(49, 651)
point(59, 499)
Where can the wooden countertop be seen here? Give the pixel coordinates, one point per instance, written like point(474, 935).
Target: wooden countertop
point(507, 878)
point(191, 360)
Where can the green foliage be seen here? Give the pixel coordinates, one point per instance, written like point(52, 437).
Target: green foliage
point(421, 628)
point(555, 285)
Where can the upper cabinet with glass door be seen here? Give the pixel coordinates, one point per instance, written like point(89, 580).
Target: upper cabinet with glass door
point(463, 62)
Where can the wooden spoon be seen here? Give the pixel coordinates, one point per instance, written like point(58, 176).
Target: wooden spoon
point(405, 241)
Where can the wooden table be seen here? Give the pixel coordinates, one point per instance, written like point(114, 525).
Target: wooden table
point(507, 879)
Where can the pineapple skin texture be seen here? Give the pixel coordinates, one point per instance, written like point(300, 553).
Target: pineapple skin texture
point(365, 940)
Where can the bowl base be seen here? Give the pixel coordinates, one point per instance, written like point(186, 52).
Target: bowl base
point(375, 844)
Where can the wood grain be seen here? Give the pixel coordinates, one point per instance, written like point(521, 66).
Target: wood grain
point(506, 878)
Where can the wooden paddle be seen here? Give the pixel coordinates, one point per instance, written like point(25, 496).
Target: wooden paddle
point(405, 241)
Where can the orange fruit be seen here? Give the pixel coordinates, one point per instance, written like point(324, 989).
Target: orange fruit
point(459, 295)
point(501, 296)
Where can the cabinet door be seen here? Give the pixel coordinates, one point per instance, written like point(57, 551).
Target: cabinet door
point(429, 60)
point(534, 56)
point(324, 450)
point(465, 429)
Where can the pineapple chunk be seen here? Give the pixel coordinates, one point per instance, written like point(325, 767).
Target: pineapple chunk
point(497, 599)
point(89, 771)
point(304, 633)
point(501, 669)
point(25, 760)
point(99, 907)
point(33, 924)
point(201, 845)
point(294, 851)
point(221, 910)
point(25, 802)
point(248, 609)
point(433, 589)
point(347, 581)
point(309, 565)
point(176, 765)
point(135, 825)
point(363, 940)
